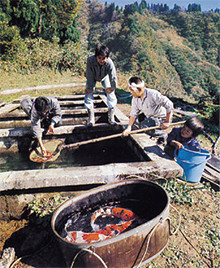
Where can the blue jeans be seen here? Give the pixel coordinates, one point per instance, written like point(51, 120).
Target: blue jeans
point(152, 122)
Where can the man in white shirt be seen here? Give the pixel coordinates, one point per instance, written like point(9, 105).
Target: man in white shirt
point(156, 108)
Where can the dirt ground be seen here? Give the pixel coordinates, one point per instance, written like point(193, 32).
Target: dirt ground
point(194, 214)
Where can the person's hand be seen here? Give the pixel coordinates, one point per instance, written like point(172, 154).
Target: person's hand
point(126, 132)
point(109, 90)
point(43, 151)
point(51, 129)
point(178, 145)
point(165, 125)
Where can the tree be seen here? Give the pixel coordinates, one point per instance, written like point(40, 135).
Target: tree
point(176, 9)
point(25, 15)
point(109, 12)
point(194, 8)
point(10, 40)
point(142, 6)
point(44, 18)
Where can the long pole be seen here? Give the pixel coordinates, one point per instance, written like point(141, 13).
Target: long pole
point(116, 135)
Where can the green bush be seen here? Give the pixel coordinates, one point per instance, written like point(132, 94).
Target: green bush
point(36, 54)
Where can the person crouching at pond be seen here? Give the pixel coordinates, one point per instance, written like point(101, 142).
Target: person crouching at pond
point(102, 69)
point(156, 109)
point(185, 137)
point(44, 112)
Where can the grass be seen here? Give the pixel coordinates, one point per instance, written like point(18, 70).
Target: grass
point(196, 244)
point(47, 77)
point(42, 77)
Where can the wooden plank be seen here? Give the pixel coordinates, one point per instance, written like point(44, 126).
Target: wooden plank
point(211, 172)
point(27, 123)
point(76, 96)
point(71, 97)
point(63, 97)
point(214, 163)
point(66, 112)
point(211, 180)
point(8, 108)
point(19, 132)
point(2, 103)
point(19, 99)
point(185, 113)
point(76, 102)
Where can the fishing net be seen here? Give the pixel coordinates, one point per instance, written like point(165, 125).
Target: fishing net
point(52, 152)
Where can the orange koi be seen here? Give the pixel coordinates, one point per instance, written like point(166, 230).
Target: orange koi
point(43, 158)
point(110, 230)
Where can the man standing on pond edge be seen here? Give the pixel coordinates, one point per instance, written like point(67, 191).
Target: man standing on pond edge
point(101, 68)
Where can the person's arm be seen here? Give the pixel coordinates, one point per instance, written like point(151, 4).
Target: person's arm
point(112, 76)
point(129, 127)
point(168, 105)
point(133, 115)
point(173, 137)
point(57, 114)
point(35, 124)
point(51, 127)
point(178, 145)
point(37, 130)
point(43, 150)
point(89, 76)
point(167, 121)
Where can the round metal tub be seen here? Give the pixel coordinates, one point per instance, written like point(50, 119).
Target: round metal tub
point(129, 249)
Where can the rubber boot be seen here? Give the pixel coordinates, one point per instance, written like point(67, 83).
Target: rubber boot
point(111, 116)
point(91, 118)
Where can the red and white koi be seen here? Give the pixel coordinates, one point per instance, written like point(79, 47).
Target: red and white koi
point(42, 158)
point(110, 230)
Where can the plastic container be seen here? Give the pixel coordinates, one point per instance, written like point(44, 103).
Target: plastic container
point(193, 163)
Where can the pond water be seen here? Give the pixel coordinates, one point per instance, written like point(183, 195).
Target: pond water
point(100, 153)
point(81, 220)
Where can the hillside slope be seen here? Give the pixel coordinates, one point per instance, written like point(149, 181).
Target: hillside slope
point(168, 58)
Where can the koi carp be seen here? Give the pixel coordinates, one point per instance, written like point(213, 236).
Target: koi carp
point(126, 217)
point(42, 158)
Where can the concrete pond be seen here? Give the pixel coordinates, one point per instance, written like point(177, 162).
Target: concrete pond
point(97, 163)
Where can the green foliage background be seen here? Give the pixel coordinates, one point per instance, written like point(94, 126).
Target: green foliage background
point(174, 51)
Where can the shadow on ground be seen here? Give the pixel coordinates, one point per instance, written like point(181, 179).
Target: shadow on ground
point(37, 247)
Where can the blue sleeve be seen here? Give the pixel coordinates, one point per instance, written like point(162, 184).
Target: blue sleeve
point(173, 135)
point(193, 145)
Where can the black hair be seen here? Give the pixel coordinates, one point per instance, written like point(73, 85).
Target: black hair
point(195, 125)
point(41, 104)
point(136, 80)
point(101, 50)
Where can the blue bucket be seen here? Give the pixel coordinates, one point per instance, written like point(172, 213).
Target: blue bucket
point(193, 163)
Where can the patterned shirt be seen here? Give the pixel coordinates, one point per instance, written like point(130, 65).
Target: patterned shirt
point(189, 143)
